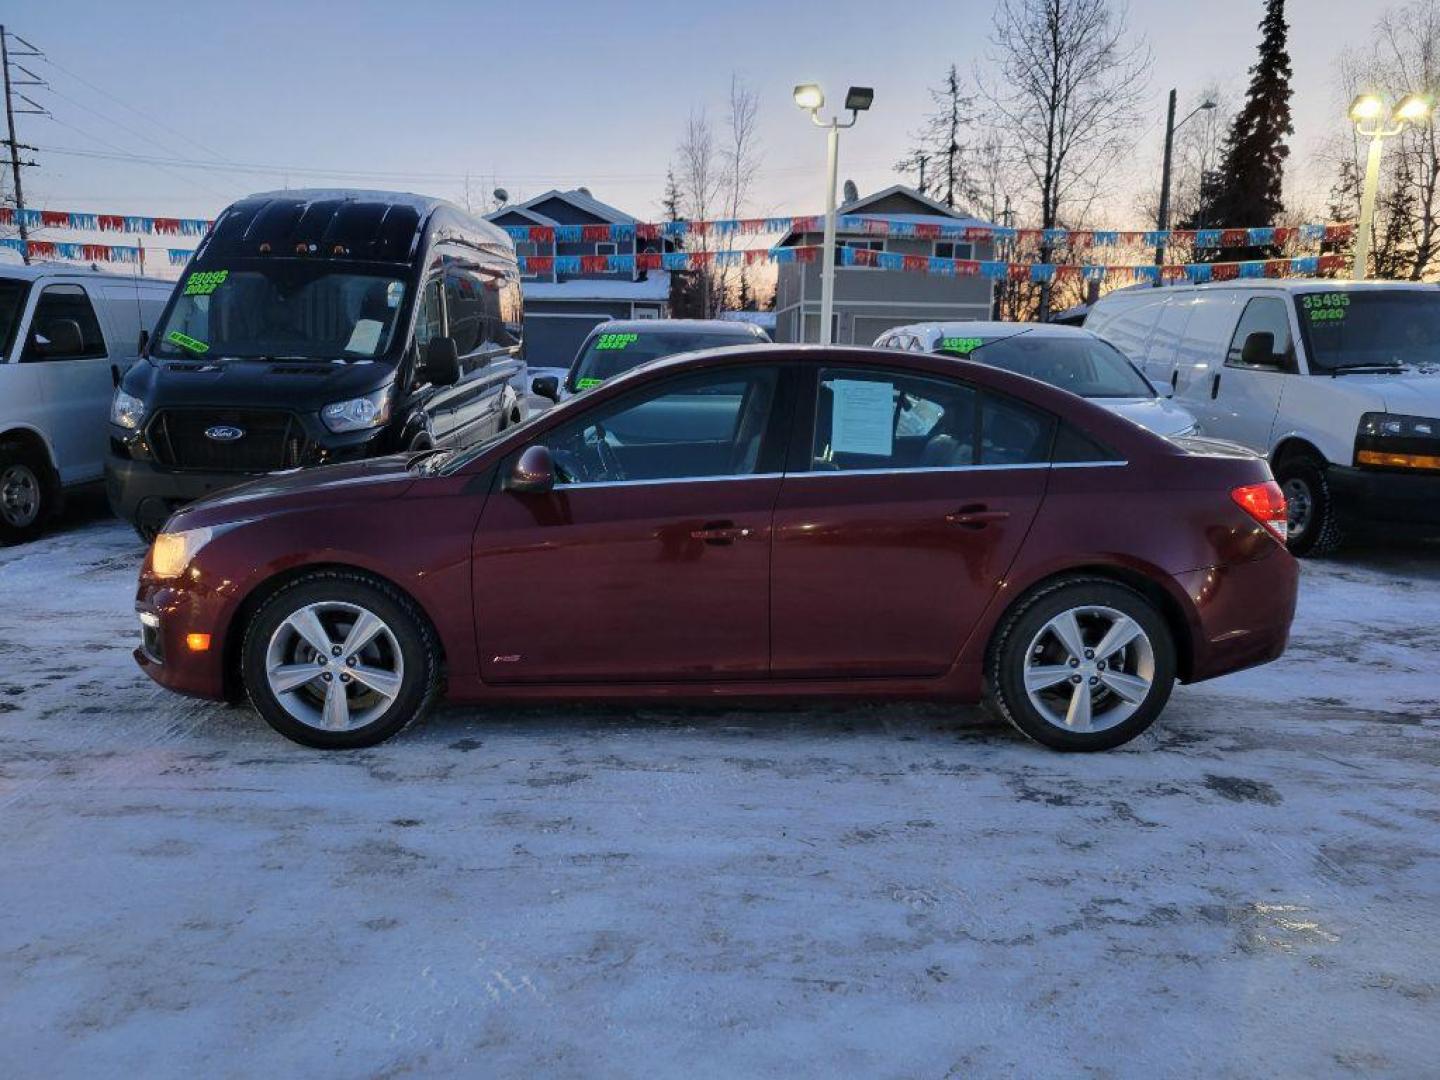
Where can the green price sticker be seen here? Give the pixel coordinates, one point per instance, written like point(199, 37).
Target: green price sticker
point(205, 282)
point(587, 382)
point(1325, 307)
point(607, 342)
point(962, 346)
point(185, 341)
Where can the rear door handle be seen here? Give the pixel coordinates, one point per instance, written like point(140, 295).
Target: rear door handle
point(1215, 387)
point(975, 517)
point(720, 532)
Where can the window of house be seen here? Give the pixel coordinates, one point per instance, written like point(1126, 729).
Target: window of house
point(64, 327)
point(953, 249)
point(525, 249)
point(605, 247)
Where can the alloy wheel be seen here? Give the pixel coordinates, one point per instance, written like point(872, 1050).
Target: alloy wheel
point(1089, 668)
point(334, 666)
point(19, 496)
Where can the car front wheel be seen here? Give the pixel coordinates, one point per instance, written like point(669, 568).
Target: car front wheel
point(1084, 664)
point(338, 660)
point(1313, 524)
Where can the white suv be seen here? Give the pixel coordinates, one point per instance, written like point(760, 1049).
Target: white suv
point(65, 335)
point(1337, 382)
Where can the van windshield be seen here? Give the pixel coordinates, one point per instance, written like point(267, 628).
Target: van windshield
point(1364, 328)
point(1085, 365)
point(12, 306)
point(286, 308)
point(609, 354)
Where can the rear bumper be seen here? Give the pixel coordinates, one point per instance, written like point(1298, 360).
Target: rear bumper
point(1367, 495)
point(1243, 613)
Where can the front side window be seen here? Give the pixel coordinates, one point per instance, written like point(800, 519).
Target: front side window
point(872, 419)
point(64, 327)
point(283, 308)
point(1366, 328)
point(430, 319)
point(472, 305)
point(12, 307)
point(1263, 315)
point(1085, 366)
point(706, 425)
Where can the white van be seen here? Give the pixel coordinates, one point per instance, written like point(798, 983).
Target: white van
point(1337, 382)
point(65, 335)
point(1063, 356)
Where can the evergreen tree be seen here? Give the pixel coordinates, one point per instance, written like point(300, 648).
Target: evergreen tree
point(685, 299)
point(1253, 165)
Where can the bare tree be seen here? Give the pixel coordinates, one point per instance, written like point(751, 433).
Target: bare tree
point(939, 155)
point(1404, 56)
point(739, 162)
point(701, 180)
point(1066, 82)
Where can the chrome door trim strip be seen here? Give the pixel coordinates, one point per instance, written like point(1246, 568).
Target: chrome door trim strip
point(844, 472)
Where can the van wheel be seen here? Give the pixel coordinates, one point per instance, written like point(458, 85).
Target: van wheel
point(29, 493)
point(339, 660)
point(1313, 526)
point(1083, 664)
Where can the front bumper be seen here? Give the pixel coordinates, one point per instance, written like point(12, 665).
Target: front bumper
point(1375, 495)
point(168, 615)
point(145, 494)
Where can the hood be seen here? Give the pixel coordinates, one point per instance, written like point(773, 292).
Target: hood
point(1159, 415)
point(373, 480)
point(1415, 393)
point(302, 385)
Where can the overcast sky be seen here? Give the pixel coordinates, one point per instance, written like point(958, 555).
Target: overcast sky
point(542, 94)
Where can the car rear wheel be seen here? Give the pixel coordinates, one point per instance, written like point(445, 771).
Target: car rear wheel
point(1313, 525)
point(1084, 664)
point(28, 493)
point(337, 660)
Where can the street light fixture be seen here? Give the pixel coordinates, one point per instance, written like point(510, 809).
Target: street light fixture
point(811, 98)
point(1162, 221)
point(1377, 123)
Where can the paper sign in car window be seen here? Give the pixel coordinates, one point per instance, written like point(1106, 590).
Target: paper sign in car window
point(862, 417)
point(205, 282)
point(365, 337)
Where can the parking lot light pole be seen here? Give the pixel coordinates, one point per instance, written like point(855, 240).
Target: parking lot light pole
point(1376, 123)
point(1162, 221)
point(811, 98)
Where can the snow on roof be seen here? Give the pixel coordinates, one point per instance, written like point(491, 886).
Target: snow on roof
point(763, 319)
point(655, 287)
point(574, 197)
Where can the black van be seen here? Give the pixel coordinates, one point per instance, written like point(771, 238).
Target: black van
point(314, 327)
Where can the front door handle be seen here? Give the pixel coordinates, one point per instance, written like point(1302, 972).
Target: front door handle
point(976, 516)
point(1215, 387)
point(720, 532)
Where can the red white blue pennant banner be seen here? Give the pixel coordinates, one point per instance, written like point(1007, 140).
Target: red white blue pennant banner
point(83, 222)
point(1308, 265)
point(94, 253)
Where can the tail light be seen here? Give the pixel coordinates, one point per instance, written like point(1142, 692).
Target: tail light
point(1266, 504)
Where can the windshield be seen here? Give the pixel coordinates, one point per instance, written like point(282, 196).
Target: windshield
point(12, 305)
point(607, 355)
point(288, 308)
point(1085, 366)
point(1364, 328)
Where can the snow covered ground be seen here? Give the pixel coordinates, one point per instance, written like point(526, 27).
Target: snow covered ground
point(1251, 889)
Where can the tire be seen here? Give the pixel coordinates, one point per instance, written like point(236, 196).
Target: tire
point(400, 659)
point(29, 493)
point(1314, 527)
point(1027, 646)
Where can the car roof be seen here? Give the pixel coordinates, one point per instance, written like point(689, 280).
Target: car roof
point(689, 326)
point(36, 271)
point(989, 329)
point(1291, 285)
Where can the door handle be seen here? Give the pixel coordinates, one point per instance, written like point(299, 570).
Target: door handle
point(1215, 387)
point(719, 532)
point(975, 517)
point(1175, 379)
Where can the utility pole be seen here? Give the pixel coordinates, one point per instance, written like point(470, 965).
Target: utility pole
point(13, 142)
point(922, 158)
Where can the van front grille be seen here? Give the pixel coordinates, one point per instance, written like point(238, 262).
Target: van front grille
point(268, 439)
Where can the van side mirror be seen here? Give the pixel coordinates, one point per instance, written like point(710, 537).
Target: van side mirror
point(546, 386)
point(143, 345)
point(442, 362)
point(61, 337)
point(533, 473)
point(1259, 349)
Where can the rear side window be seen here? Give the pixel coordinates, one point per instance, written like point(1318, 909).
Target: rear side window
point(1267, 315)
point(1012, 433)
point(64, 327)
point(874, 419)
point(1074, 448)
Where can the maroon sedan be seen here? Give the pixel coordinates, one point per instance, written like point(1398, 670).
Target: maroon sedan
point(769, 521)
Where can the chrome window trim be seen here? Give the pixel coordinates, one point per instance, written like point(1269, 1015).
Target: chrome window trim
point(843, 472)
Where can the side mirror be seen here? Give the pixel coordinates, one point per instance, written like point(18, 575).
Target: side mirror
point(1259, 349)
point(533, 473)
point(546, 386)
point(442, 362)
point(62, 337)
point(144, 343)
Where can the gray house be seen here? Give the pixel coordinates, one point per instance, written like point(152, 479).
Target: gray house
point(868, 300)
point(560, 309)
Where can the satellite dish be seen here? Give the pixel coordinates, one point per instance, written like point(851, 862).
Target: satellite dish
point(585, 191)
point(852, 193)
point(501, 196)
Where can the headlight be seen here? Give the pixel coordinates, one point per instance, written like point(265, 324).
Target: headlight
point(359, 413)
point(1395, 441)
point(126, 410)
point(173, 552)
